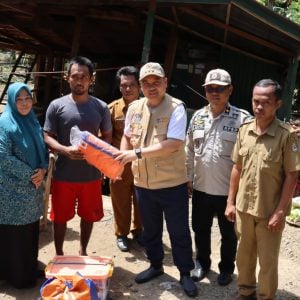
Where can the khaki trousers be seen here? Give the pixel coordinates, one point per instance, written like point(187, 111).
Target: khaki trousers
point(123, 202)
point(257, 241)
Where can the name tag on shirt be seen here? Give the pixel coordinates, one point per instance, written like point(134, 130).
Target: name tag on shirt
point(198, 134)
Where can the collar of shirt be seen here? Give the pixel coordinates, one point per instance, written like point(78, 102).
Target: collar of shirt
point(271, 130)
point(228, 112)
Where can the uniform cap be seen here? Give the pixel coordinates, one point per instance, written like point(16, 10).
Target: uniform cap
point(151, 68)
point(217, 76)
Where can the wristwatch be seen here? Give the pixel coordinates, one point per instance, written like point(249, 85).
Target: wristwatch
point(138, 152)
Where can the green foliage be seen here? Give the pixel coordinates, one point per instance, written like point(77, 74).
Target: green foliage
point(288, 8)
point(293, 11)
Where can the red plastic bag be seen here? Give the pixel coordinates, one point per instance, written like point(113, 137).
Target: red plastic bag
point(97, 152)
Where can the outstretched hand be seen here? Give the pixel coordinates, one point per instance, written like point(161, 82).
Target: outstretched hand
point(126, 156)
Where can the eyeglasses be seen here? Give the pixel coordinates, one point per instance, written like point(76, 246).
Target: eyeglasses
point(219, 89)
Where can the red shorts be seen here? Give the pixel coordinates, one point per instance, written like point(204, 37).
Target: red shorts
point(66, 196)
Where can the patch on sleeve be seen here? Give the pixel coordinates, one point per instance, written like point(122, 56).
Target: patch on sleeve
point(295, 147)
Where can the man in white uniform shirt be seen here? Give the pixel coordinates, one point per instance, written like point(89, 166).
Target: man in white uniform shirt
point(211, 136)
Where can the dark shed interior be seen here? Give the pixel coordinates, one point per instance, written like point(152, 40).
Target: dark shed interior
point(187, 37)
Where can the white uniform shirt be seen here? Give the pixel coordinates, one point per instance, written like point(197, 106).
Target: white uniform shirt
point(208, 148)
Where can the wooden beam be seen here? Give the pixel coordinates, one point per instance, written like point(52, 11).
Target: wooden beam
point(4, 45)
point(16, 9)
point(19, 46)
point(236, 31)
point(24, 26)
point(29, 34)
point(196, 33)
point(227, 22)
point(6, 38)
point(175, 15)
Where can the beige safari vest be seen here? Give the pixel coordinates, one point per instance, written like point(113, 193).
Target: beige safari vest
point(150, 126)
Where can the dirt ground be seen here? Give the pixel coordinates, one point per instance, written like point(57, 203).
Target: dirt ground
point(165, 287)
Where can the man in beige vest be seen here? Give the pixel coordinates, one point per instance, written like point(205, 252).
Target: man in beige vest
point(153, 141)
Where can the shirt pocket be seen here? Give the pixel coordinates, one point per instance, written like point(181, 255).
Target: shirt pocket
point(243, 152)
point(198, 139)
point(271, 161)
point(160, 133)
point(135, 137)
point(227, 142)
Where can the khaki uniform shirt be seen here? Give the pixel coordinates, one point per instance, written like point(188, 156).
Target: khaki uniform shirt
point(264, 159)
point(208, 148)
point(118, 109)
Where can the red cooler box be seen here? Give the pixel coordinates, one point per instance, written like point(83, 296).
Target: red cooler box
point(97, 268)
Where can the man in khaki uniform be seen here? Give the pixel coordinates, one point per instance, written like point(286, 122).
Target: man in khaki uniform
point(263, 179)
point(122, 191)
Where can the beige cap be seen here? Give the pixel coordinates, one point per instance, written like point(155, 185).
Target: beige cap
point(151, 68)
point(217, 76)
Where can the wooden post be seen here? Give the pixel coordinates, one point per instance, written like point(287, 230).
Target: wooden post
point(48, 83)
point(148, 32)
point(76, 36)
point(171, 52)
point(284, 112)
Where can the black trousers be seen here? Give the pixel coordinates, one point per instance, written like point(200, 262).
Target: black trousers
point(205, 207)
point(19, 254)
point(171, 203)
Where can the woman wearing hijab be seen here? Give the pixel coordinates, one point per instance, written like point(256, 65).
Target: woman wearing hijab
point(23, 164)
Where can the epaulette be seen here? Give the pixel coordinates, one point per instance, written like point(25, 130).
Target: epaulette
point(248, 122)
point(115, 102)
point(286, 126)
point(110, 105)
point(227, 110)
point(204, 109)
point(237, 109)
point(244, 111)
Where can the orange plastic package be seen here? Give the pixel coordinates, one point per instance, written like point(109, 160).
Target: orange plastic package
point(101, 155)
